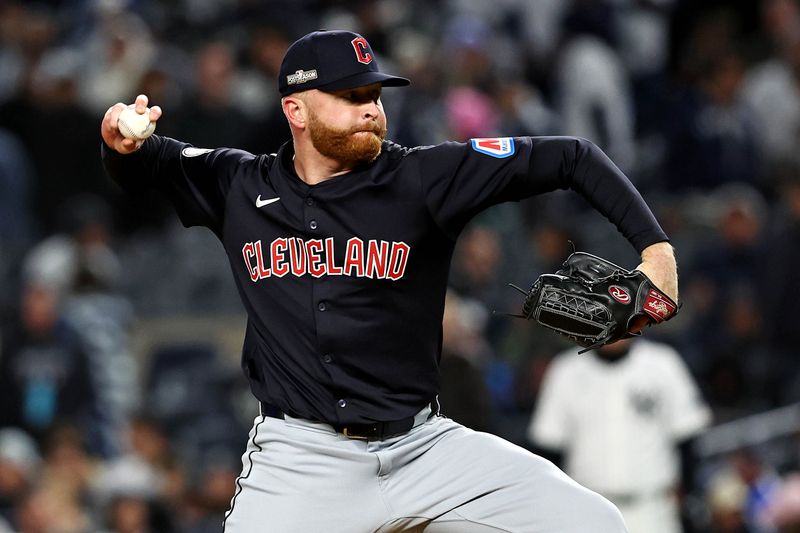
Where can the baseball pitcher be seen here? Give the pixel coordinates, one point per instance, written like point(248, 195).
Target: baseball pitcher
point(340, 245)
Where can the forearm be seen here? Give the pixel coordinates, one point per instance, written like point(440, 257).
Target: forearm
point(659, 264)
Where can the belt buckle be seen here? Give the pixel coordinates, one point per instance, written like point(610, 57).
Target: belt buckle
point(346, 433)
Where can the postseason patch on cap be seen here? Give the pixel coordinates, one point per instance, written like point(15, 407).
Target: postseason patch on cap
point(498, 147)
point(301, 76)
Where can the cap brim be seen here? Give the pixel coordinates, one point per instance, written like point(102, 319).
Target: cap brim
point(365, 78)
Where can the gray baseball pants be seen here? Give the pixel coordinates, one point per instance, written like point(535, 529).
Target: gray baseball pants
point(301, 476)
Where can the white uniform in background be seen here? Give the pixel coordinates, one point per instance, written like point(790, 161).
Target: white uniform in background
point(618, 424)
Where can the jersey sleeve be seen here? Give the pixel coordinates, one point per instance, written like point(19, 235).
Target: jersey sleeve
point(196, 180)
point(549, 425)
point(461, 179)
point(687, 412)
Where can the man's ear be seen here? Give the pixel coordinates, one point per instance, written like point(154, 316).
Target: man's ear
point(294, 108)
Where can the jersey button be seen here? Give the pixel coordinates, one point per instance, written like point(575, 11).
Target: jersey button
point(322, 306)
point(327, 358)
point(309, 201)
point(342, 403)
point(312, 224)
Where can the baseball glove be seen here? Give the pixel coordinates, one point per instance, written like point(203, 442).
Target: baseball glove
point(594, 302)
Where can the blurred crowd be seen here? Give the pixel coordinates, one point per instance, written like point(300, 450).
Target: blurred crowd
point(697, 101)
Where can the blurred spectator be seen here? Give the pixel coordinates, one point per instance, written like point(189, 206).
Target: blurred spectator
point(80, 264)
point(121, 48)
point(210, 498)
point(724, 497)
point(55, 502)
point(713, 136)
point(257, 95)
point(478, 273)
point(780, 24)
point(129, 514)
point(419, 55)
point(68, 468)
point(601, 111)
point(17, 223)
point(619, 417)
point(771, 88)
point(45, 511)
point(480, 254)
point(464, 395)
point(772, 91)
point(164, 277)
point(255, 85)
point(189, 393)
point(12, 54)
point(723, 281)
point(643, 35)
point(57, 133)
point(467, 41)
point(79, 253)
point(737, 351)
point(470, 113)
point(145, 484)
point(44, 372)
point(762, 484)
point(783, 252)
point(208, 117)
point(543, 25)
point(523, 110)
point(643, 44)
point(19, 468)
point(783, 512)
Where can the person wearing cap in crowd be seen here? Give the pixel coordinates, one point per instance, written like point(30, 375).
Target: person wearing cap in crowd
point(340, 245)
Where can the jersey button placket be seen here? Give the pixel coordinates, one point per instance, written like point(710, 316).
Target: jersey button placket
point(310, 215)
point(311, 220)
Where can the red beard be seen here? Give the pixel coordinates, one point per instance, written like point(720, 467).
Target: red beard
point(346, 146)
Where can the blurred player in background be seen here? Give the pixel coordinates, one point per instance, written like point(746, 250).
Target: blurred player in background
point(621, 417)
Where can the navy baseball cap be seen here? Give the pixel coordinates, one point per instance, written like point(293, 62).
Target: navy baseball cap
point(331, 61)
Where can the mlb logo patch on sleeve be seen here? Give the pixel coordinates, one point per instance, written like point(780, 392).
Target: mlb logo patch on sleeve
point(191, 151)
point(499, 147)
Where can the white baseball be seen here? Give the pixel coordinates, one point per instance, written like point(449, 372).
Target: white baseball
point(134, 126)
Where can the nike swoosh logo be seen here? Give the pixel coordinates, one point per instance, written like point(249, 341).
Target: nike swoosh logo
point(262, 203)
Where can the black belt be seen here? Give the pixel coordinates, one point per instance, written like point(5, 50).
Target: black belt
point(374, 431)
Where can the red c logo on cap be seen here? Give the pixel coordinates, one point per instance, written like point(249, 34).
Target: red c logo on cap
point(361, 46)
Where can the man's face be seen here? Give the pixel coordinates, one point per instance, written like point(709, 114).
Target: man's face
point(349, 125)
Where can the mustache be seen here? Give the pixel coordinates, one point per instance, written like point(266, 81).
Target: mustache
point(373, 128)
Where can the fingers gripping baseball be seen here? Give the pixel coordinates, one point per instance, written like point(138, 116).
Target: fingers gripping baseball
point(126, 140)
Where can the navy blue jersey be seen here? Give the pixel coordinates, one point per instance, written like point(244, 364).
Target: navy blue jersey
point(344, 281)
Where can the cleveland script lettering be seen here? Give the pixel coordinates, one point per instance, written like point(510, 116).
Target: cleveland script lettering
point(292, 255)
